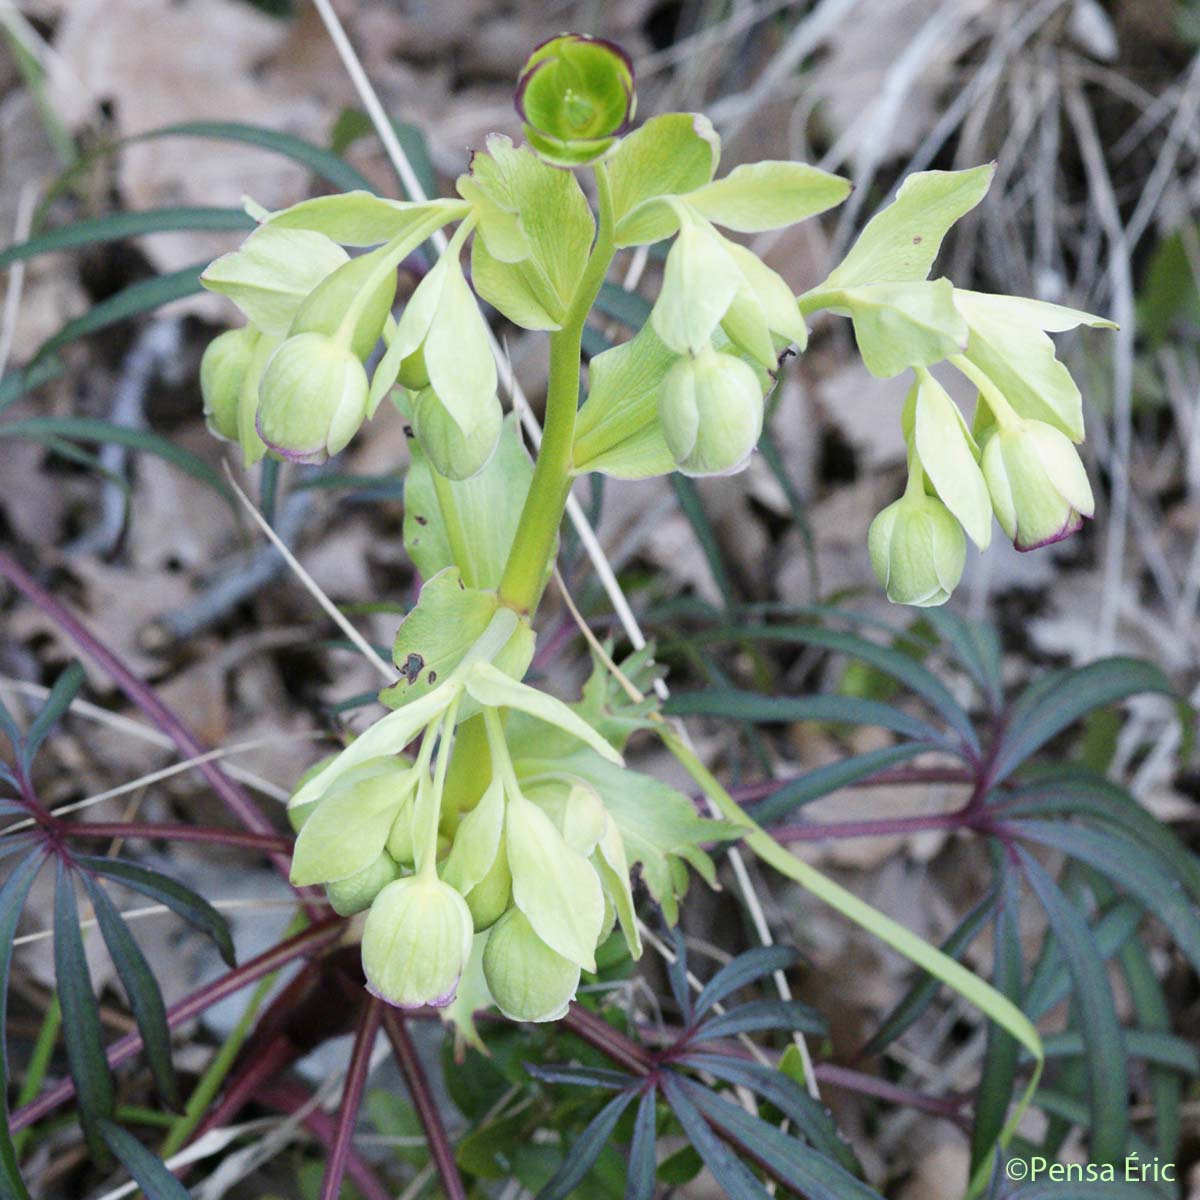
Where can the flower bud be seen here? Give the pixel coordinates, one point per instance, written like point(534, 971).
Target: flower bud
point(312, 398)
point(711, 412)
point(575, 96)
point(400, 836)
point(416, 941)
point(491, 896)
point(298, 814)
point(918, 550)
point(343, 831)
point(222, 370)
point(528, 980)
point(1037, 482)
point(414, 374)
point(326, 305)
point(350, 896)
point(454, 454)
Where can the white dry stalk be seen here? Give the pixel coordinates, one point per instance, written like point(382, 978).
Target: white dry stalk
point(829, 9)
point(312, 587)
point(26, 204)
point(731, 115)
point(178, 768)
point(145, 733)
point(869, 134)
point(210, 1143)
point(1120, 282)
point(158, 910)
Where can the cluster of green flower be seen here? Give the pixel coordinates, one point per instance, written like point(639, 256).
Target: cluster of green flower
point(472, 857)
point(490, 868)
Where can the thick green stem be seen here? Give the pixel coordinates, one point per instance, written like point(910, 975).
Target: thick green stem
point(528, 564)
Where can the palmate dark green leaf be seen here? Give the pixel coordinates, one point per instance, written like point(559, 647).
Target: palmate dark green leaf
point(118, 226)
point(742, 971)
point(1134, 869)
point(918, 998)
point(1071, 1111)
point(727, 1169)
point(586, 1149)
point(810, 1118)
point(66, 688)
point(643, 1158)
point(181, 900)
point(1059, 700)
point(768, 449)
point(589, 1077)
point(147, 1170)
point(132, 301)
point(976, 645)
point(790, 1161)
point(1161, 1049)
point(12, 901)
point(10, 730)
point(80, 1016)
point(16, 843)
point(321, 162)
point(17, 382)
point(1075, 792)
point(1105, 1059)
point(141, 989)
point(677, 976)
point(1153, 1014)
point(1051, 983)
point(762, 1015)
point(630, 308)
point(995, 1089)
point(735, 705)
point(822, 781)
point(692, 508)
point(48, 430)
point(893, 663)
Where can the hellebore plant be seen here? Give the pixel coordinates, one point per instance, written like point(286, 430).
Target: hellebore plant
point(493, 860)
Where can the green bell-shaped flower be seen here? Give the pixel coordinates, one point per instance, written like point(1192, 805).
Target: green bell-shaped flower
point(312, 398)
point(575, 97)
point(528, 980)
point(1039, 488)
point(353, 895)
point(453, 452)
point(343, 832)
point(918, 549)
point(711, 412)
point(223, 369)
point(416, 941)
point(490, 898)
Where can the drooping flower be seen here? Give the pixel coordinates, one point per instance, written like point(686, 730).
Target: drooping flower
point(1039, 488)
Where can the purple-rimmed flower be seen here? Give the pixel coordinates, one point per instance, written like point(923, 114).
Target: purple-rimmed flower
point(312, 399)
point(1037, 482)
point(575, 96)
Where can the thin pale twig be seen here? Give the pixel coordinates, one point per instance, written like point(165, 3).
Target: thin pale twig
point(145, 733)
point(26, 203)
point(311, 586)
